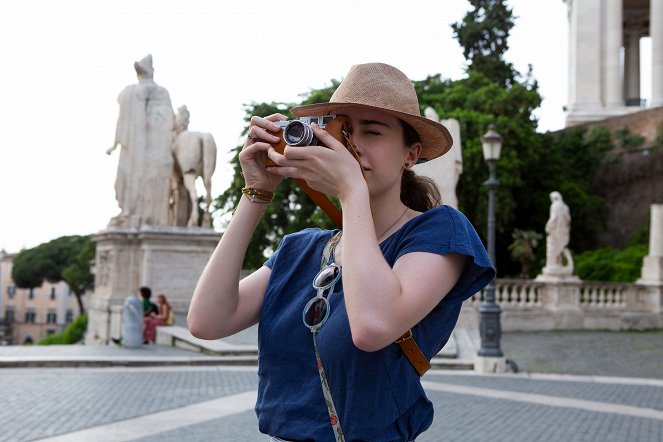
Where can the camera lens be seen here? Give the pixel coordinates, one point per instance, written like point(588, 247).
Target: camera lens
point(298, 133)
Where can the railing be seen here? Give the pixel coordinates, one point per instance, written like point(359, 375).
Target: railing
point(604, 295)
point(548, 305)
point(513, 293)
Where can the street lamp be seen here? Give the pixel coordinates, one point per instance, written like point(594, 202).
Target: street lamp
point(490, 327)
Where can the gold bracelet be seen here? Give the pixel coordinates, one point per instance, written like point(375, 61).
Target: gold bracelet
point(258, 195)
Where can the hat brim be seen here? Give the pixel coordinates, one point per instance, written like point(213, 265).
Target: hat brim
point(435, 137)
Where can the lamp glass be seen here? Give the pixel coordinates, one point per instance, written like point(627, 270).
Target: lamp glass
point(492, 145)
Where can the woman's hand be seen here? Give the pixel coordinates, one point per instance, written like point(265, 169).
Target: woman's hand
point(329, 169)
point(254, 153)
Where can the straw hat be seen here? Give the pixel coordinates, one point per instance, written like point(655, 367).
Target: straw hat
point(383, 87)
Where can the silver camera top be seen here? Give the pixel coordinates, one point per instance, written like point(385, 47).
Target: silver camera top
point(320, 120)
point(299, 132)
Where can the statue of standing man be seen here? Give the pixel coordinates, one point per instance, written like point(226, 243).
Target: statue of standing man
point(145, 132)
point(558, 229)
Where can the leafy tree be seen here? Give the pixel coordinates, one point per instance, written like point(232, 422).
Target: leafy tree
point(522, 249)
point(53, 260)
point(477, 101)
point(77, 274)
point(292, 209)
point(483, 34)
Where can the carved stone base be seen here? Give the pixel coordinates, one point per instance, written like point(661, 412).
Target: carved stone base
point(486, 364)
point(169, 260)
point(556, 277)
point(652, 270)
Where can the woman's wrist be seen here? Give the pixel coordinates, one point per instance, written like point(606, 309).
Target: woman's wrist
point(356, 193)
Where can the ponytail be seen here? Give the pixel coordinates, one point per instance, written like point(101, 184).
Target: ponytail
point(417, 192)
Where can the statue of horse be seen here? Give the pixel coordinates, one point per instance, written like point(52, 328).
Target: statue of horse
point(195, 156)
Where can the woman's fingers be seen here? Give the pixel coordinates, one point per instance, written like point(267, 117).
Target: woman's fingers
point(326, 138)
point(263, 129)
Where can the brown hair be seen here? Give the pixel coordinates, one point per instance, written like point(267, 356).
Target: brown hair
point(161, 296)
point(417, 192)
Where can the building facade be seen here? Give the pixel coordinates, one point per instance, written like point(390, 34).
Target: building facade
point(604, 57)
point(29, 315)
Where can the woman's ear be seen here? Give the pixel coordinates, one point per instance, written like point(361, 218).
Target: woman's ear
point(413, 153)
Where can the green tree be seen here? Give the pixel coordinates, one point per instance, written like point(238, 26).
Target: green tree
point(48, 261)
point(77, 274)
point(477, 101)
point(483, 34)
point(291, 210)
point(523, 249)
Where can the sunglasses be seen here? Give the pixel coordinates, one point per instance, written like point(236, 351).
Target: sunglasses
point(316, 311)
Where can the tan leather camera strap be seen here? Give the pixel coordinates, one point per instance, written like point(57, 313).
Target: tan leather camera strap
point(323, 202)
point(413, 353)
point(320, 198)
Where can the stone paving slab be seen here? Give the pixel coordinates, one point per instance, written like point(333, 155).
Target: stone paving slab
point(606, 353)
point(128, 403)
point(105, 356)
point(649, 394)
point(47, 402)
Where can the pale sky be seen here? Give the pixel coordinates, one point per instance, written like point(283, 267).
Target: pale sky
point(65, 61)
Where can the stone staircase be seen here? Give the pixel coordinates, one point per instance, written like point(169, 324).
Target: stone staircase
point(241, 349)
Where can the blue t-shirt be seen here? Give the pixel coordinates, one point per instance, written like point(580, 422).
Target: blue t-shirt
point(378, 395)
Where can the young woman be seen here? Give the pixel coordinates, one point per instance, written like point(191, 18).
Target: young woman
point(331, 304)
point(163, 317)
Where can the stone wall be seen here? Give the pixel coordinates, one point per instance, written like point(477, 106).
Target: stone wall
point(633, 181)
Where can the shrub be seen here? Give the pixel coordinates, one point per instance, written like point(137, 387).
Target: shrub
point(70, 335)
point(608, 264)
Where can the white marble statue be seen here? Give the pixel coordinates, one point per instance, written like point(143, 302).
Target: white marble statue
point(558, 229)
point(446, 170)
point(145, 132)
point(195, 156)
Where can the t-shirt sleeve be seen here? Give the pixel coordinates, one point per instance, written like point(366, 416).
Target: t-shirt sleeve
point(445, 230)
point(272, 259)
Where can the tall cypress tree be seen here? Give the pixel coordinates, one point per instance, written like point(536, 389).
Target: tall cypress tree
point(483, 34)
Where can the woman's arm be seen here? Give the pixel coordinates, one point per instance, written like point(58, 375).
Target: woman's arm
point(221, 304)
point(384, 302)
point(162, 313)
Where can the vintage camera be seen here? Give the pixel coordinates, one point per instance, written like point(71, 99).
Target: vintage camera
point(299, 132)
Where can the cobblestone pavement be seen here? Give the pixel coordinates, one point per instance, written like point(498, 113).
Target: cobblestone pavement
point(216, 403)
point(634, 354)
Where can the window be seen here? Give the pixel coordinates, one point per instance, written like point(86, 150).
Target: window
point(10, 314)
point(11, 291)
point(52, 292)
point(31, 293)
point(50, 332)
point(51, 316)
point(30, 315)
point(69, 316)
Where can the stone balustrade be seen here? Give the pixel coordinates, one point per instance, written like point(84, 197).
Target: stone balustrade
point(529, 305)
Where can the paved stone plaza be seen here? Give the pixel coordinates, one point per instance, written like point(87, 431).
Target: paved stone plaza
point(216, 403)
point(211, 402)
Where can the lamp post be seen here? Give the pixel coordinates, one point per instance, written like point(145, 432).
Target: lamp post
point(490, 328)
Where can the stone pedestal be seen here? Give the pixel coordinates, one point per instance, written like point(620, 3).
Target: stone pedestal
point(561, 296)
point(652, 270)
point(169, 260)
point(652, 265)
point(487, 364)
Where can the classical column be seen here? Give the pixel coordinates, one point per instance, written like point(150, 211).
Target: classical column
point(632, 68)
point(613, 43)
point(656, 32)
point(585, 57)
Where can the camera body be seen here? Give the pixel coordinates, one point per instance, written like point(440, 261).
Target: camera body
point(299, 132)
